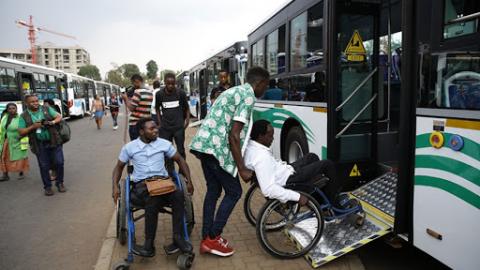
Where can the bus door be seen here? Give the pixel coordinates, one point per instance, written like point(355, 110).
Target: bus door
point(353, 94)
point(203, 79)
point(86, 90)
point(62, 91)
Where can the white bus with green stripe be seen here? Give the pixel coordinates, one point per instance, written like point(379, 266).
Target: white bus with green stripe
point(389, 91)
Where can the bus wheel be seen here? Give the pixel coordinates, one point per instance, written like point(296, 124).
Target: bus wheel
point(296, 145)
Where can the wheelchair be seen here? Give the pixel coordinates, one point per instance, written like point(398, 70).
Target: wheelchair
point(288, 230)
point(127, 207)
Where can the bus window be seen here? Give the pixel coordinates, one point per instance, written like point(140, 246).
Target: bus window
point(456, 9)
point(276, 51)
point(52, 84)
point(258, 58)
point(40, 82)
point(452, 81)
point(7, 79)
point(306, 38)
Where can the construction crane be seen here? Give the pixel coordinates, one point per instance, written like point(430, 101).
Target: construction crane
point(31, 35)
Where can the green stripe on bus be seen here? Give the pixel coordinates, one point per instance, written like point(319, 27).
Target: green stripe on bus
point(452, 188)
point(470, 148)
point(453, 166)
point(324, 152)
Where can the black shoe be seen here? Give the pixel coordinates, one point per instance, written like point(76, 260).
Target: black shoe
point(61, 188)
point(171, 249)
point(147, 250)
point(48, 192)
point(184, 245)
point(4, 178)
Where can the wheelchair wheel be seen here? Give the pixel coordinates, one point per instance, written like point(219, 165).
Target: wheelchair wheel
point(185, 261)
point(189, 212)
point(289, 230)
point(253, 202)
point(121, 216)
point(121, 266)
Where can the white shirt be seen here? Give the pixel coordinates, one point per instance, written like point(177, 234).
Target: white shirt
point(272, 174)
point(154, 98)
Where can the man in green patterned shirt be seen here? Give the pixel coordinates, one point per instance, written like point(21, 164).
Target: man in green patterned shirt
point(218, 144)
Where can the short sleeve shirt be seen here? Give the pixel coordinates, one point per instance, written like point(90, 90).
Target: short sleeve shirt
point(42, 133)
point(148, 159)
point(235, 104)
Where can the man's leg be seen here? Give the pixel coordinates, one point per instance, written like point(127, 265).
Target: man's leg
point(304, 161)
point(214, 190)
point(177, 200)
point(179, 137)
point(57, 153)
point(44, 165)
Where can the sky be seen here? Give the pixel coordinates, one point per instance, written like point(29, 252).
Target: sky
point(177, 34)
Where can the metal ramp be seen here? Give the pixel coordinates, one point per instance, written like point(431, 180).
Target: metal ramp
point(378, 200)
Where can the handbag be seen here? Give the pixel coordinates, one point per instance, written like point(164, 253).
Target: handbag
point(159, 186)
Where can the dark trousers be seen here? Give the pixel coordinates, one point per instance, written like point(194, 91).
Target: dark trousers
point(309, 167)
point(133, 132)
point(179, 137)
point(114, 118)
point(46, 156)
point(217, 179)
point(153, 205)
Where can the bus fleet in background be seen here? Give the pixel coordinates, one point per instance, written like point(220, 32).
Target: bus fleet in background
point(73, 94)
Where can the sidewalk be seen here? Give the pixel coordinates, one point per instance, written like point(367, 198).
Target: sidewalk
point(248, 252)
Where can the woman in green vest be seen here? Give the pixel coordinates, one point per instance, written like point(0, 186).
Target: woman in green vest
point(13, 148)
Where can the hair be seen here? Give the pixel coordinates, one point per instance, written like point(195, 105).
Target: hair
point(156, 84)
point(29, 96)
point(272, 83)
point(259, 128)
point(5, 112)
point(257, 74)
point(222, 71)
point(169, 75)
point(141, 123)
point(96, 96)
point(136, 77)
point(49, 101)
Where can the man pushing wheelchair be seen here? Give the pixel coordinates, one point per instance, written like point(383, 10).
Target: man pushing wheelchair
point(147, 155)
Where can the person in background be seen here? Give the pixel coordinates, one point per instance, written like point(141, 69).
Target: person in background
point(99, 111)
point(139, 105)
point(13, 148)
point(173, 115)
point(218, 144)
point(156, 88)
point(114, 107)
point(273, 92)
point(51, 103)
point(38, 122)
point(223, 84)
point(316, 92)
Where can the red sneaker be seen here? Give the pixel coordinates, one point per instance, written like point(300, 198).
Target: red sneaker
point(217, 246)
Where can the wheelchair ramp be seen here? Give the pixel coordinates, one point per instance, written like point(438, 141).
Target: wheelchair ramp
point(378, 200)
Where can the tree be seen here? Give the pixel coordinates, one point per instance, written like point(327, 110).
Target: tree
point(128, 70)
point(90, 71)
point(115, 77)
point(152, 69)
point(165, 71)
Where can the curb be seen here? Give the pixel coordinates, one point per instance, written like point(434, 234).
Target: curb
point(106, 252)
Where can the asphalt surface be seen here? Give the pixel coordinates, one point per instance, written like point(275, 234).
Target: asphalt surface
point(64, 231)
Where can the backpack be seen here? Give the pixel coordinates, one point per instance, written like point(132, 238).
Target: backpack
point(64, 131)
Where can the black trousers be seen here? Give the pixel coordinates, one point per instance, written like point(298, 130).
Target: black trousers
point(179, 137)
point(310, 166)
point(154, 204)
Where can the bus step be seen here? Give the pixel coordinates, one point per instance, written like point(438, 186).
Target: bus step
point(338, 239)
point(378, 197)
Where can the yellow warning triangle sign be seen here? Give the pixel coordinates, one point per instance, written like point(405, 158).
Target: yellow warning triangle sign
point(355, 171)
point(355, 45)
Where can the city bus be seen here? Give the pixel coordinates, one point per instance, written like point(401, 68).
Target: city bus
point(80, 91)
point(389, 90)
point(104, 90)
point(18, 79)
point(204, 76)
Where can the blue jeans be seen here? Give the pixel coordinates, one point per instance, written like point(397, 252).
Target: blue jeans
point(50, 157)
point(217, 179)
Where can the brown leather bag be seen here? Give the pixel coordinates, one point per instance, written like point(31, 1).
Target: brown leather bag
point(159, 186)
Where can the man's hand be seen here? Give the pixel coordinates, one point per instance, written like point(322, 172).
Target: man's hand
point(246, 174)
point(37, 125)
point(303, 200)
point(115, 194)
point(190, 188)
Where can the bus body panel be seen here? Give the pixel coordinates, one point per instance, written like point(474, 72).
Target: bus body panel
point(313, 121)
point(447, 192)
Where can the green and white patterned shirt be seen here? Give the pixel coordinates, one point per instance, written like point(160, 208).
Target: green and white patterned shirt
point(234, 104)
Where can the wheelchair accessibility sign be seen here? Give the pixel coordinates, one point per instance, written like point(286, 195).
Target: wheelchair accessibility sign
point(355, 50)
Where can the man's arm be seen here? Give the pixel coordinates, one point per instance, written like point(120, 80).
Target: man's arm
point(186, 110)
point(25, 131)
point(157, 107)
point(131, 106)
point(184, 170)
point(116, 175)
point(234, 142)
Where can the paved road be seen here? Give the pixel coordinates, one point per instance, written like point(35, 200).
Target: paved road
point(64, 231)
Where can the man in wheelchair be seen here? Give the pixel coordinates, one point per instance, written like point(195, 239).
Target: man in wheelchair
point(273, 175)
point(147, 154)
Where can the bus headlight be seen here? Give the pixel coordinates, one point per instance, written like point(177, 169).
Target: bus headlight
point(437, 139)
point(456, 142)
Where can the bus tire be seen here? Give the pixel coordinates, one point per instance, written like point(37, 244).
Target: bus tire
point(296, 144)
